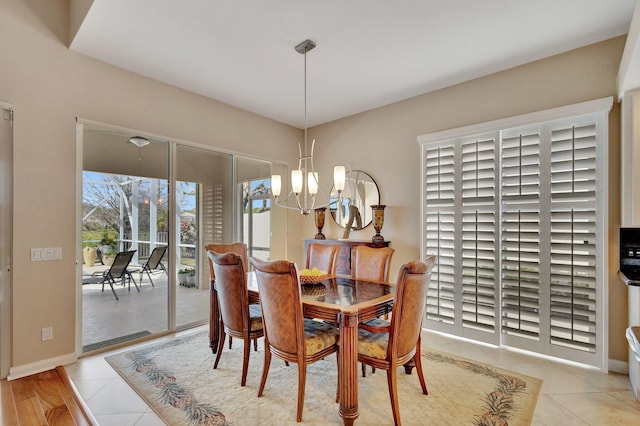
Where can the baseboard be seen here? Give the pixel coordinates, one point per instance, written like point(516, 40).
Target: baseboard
point(617, 366)
point(40, 366)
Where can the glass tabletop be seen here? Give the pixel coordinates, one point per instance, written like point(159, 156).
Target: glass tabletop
point(344, 291)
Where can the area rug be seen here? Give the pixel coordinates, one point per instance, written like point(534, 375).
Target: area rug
point(176, 378)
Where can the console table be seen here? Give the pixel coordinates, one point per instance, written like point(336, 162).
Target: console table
point(344, 254)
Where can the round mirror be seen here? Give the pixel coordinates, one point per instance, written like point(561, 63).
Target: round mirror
point(360, 192)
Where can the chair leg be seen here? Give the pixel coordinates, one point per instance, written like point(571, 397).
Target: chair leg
point(302, 379)
point(150, 279)
point(112, 289)
point(230, 341)
point(265, 367)
point(134, 282)
point(223, 335)
point(393, 393)
point(418, 360)
point(255, 344)
point(245, 360)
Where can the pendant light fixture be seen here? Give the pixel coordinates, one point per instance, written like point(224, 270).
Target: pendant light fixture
point(305, 183)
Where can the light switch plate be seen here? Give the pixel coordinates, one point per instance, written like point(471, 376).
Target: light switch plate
point(49, 253)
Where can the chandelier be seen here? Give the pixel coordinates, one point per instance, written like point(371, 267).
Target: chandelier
point(304, 180)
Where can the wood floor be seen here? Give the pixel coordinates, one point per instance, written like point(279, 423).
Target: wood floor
point(47, 398)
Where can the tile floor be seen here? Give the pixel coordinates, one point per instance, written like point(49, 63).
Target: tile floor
point(570, 395)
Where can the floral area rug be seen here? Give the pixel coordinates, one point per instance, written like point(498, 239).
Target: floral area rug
point(176, 378)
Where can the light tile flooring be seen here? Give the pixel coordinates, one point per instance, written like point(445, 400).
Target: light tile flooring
point(104, 317)
point(570, 395)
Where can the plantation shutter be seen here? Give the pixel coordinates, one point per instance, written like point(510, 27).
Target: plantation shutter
point(439, 230)
point(478, 222)
point(516, 218)
point(573, 236)
point(521, 232)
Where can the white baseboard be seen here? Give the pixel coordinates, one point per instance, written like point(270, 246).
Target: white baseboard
point(617, 366)
point(40, 366)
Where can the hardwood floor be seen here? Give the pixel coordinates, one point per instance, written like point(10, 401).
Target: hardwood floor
point(47, 398)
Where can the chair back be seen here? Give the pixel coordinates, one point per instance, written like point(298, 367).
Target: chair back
point(323, 256)
point(156, 256)
point(231, 285)
point(120, 264)
point(281, 305)
point(409, 306)
point(371, 264)
point(238, 248)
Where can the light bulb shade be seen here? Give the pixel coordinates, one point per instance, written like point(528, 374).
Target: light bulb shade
point(312, 182)
point(276, 185)
point(296, 181)
point(339, 177)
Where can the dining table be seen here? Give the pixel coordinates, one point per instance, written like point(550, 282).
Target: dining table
point(341, 300)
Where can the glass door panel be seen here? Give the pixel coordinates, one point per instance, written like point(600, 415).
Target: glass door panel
point(124, 191)
point(204, 214)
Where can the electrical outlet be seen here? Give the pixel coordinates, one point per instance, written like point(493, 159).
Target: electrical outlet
point(47, 333)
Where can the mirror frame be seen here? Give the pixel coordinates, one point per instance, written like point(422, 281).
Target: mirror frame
point(363, 215)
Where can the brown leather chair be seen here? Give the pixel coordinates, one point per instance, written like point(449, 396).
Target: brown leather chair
point(371, 264)
point(241, 250)
point(288, 335)
point(238, 248)
point(323, 256)
point(390, 345)
point(238, 318)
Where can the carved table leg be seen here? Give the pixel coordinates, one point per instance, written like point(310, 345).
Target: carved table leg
point(348, 367)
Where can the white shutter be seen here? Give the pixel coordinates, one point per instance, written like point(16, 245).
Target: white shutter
point(573, 237)
point(535, 280)
point(478, 233)
point(439, 230)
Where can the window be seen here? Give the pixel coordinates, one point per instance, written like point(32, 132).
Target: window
point(515, 211)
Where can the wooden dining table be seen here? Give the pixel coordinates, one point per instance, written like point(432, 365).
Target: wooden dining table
point(341, 300)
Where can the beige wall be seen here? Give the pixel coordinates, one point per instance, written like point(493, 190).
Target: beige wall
point(49, 86)
point(382, 142)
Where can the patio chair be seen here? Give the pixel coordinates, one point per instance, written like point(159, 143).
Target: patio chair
point(154, 263)
point(117, 271)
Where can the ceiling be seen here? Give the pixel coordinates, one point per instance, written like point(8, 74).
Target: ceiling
point(369, 53)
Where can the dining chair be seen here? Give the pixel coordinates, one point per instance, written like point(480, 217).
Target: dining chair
point(241, 250)
point(238, 318)
point(371, 264)
point(154, 262)
point(288, 335)
point(323, 256)
point(117, 272)
point(391, 345)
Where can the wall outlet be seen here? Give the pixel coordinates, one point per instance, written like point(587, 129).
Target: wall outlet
point(47, 333)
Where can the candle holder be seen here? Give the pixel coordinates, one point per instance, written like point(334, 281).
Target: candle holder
point(319, 216)
point(378, 221)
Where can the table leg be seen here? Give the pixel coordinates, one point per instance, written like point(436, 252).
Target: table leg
point(214, 319)
point(348, 367)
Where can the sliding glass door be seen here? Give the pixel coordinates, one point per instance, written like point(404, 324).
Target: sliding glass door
point(124, 209)
point(205, 215)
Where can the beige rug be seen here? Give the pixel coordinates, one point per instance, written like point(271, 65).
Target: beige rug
point(177, 380)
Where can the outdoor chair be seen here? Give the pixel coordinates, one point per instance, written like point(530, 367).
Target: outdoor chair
point(154, 263)
point(116, 272)
point(389, 345)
